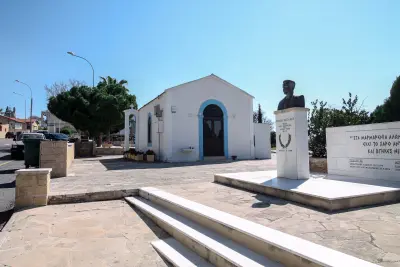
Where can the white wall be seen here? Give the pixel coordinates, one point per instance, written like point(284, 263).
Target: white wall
point(187, 100)
point(366, 151)
point(158, 139)
point(262, 140)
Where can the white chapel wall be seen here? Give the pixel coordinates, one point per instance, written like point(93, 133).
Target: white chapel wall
point(157, 139)
point(186, 100)
point(262, 140)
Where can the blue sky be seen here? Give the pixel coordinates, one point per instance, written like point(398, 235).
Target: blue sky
point(329, 48)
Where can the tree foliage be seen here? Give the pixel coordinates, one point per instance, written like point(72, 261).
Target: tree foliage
point(273, 139)
point(95, 110)
point(61, 87)
point(67, 130)
point(10, 112)
point(259, 117)
point(322, 117)
point(390, 109)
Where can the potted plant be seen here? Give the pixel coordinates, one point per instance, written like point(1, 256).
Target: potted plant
point(107, 144)
point(150, 155)
point(132, 153)
point(139, 156)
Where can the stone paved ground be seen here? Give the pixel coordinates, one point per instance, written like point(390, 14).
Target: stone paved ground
point(112, 173)
point(372, 234)
point(89, 234)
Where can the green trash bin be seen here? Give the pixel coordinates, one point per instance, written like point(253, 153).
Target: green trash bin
point(32, 149)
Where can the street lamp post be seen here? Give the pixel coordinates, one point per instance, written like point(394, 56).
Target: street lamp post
point(74, 55)
point(30, 119)
point(25, 102)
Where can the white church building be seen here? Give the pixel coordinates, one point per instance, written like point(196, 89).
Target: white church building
point(208, 118)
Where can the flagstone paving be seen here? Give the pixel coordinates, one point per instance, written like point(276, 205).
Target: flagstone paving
point(97, 234)
point(113, 234)
point(113, 173)
point(372, 233)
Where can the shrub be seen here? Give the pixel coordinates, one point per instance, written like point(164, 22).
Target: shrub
point(150, 152)
point(66, 130)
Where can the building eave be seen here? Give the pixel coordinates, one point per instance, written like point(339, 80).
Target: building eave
point(185, 83)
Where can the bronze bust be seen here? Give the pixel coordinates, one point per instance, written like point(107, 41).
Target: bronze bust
point(290, 101)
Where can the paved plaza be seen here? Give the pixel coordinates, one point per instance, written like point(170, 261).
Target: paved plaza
point(371, 234)
point(111, 233)
point(97, 234)
point(114, 173)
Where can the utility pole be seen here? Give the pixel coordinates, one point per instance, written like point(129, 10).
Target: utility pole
point(30, 119)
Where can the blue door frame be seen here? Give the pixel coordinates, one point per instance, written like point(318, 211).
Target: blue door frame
point(225, 117)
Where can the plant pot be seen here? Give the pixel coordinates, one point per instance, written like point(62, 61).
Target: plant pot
point(150, 158)
point(139, 157)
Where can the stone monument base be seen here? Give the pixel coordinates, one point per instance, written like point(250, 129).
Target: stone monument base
point(328, 192)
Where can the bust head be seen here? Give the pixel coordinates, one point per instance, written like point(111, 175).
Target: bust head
point(288, 88)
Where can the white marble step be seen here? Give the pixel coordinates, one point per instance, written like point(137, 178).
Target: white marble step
point(278, 246)
point(177, 254)
point(211, 246)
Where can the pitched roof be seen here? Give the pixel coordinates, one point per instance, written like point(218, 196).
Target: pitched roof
point(12, 119)
point(27, 120)
point(212, 75)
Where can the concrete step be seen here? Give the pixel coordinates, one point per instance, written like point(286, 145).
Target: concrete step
point(177, 254)
point(274, 245)
point(206, 243)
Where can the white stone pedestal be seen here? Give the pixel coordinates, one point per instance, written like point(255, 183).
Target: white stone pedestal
point(292, 143)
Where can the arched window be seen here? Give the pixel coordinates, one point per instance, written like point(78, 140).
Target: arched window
point(149, 130)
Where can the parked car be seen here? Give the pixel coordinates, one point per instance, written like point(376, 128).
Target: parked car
point(56, 136)
point(10, 135)
point(42, 131)
point(17, 149)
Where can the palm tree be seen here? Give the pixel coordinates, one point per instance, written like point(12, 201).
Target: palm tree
point(110, 81)
point(1, 111)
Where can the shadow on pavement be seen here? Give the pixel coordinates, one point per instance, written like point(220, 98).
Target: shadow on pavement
point(5, 157)
point(8, 185)
point(4, 217)
point(8, 171)
point(121, 164)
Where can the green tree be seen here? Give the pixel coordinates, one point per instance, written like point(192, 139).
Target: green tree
point(110, 81)
point(259, 117)
point(318, 122)
point(67, 130)
point(273, 139)
point(322, 117)
point(59, 87)
point(95, 110)
point(390, 109)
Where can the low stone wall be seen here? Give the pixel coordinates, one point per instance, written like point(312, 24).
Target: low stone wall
point(70, 154)
point(54, 154)
point(32, 187)
point(84, 149)
point(109, 151)
point(319, 165)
